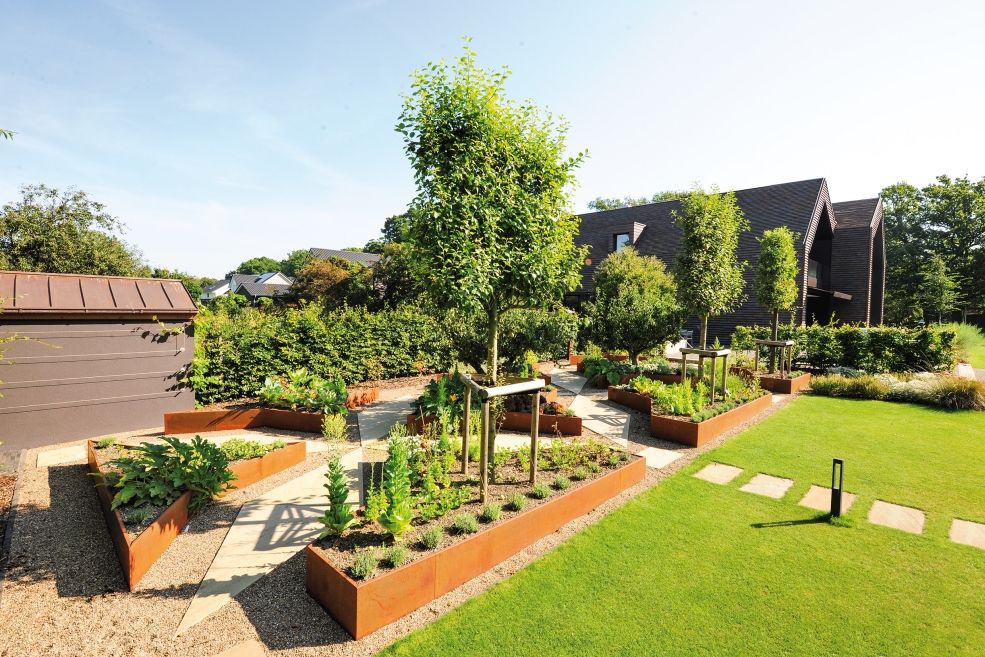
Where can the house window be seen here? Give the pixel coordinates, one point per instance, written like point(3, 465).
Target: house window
point(619, 241)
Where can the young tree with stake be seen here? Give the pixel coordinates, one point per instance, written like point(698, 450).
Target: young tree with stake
point(776, 276)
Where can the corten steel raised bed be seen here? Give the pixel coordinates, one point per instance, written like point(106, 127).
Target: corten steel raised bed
point(416, 424)
point(580, 367)
point(138, 555)
point(250, 418)
point(569, 425)
point(633, 400)
point(361, 396)
point(696, 434)
point(785, 386)
point(364, 607)
point(603, 382)
point(575, 359)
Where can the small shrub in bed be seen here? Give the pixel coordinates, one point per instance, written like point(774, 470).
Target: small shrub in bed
point(540, 491)
point(615, 459)
point(108, 441)
point(334, 427)
point(491, 512)
point(579, 474)
point(237, 449)
point(432, 537)
point(958, 394)
point(561, 482)
point(364, 565)
point(594, 467)
point(861, 387)
point(395, 556)
point(466, 523)
point(516, 501)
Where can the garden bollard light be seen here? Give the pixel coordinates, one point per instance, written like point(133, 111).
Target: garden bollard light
point(838, 465)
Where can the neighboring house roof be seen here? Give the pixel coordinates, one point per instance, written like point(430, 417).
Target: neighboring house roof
point(42, 295)
point(269, 284)
point(352, 256)
point(215, 287)
point(254, 290)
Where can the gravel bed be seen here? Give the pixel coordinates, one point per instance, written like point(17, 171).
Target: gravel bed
point(65, 594)
point(6, 494)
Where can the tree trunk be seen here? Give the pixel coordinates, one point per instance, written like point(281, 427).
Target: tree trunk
point(492, 346)
point(704, 345)
point(635, 359)
point(776, 333)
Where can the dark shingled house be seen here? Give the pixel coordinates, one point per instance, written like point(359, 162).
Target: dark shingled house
point(841, 251)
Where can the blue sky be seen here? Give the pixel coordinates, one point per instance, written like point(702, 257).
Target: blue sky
point(220, 131)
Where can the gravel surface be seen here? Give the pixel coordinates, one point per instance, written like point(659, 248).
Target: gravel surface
point(65, 594)
point(6, 493)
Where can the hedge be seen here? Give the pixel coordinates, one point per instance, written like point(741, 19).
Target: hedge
point(872, 349)
point(235, 349)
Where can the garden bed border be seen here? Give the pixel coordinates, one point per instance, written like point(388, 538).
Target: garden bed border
point(570, 425)
point(696, 434)
point(364, 607)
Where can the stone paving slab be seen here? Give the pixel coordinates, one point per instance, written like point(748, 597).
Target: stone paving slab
point(610, 422)
point(966, 371)
point(904, 518)
point(819, 497)
point(250, 648)
point(375, 420)
point(968, 533)
point(659, 458)
point(514, 441)
point(768, 485)
point(63, 455)
point(570, 380)
point(718, 473)
point(268, 531)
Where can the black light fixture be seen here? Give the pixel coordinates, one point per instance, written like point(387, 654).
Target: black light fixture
point(837, 467)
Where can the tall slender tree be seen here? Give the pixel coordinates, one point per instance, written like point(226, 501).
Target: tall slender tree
point(776, 276)
point(939, 291)
point(490, 223)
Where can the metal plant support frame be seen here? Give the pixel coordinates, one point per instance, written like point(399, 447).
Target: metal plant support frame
point(786, 355)
point(487, 433)
point(714, 355)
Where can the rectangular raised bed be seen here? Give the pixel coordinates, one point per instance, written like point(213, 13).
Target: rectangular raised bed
point(603, 382)
point(785, 386)
point(251, 418)
point(575, 359)
point(137, 556)
point(631, 399)
point(364, 607)
point(696, 434)
point(569, 425)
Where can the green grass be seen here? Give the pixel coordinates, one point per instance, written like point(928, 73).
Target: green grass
point(976, 356)
point(692, 568)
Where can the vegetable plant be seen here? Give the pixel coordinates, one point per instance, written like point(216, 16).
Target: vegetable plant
point(466, 523)
point(301, 389)
point(398, 513)
point(338, 517)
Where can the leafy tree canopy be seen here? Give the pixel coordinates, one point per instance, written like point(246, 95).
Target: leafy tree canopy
point(490, 223)
point(335, 282)
point(63, 232)
point(260, 265)
point(633, 305)
point(294, 262)
point(939, 291)
point(600, 204)
point(776, 273)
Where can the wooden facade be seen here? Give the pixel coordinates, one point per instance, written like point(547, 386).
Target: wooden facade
point(841, 252)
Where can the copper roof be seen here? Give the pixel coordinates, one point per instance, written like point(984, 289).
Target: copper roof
point(40, 295)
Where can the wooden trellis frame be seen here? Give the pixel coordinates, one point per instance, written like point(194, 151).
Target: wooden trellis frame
point(714, 355)
point(786, 355)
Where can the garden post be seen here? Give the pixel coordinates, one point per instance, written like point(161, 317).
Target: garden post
point(714, 367)
point(466, 430)
point(534, 432)
point(724, 377)
point(483, 458)
point(755, 366)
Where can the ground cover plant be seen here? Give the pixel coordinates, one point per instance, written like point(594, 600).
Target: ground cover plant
point(423, 500)
point(712, 570)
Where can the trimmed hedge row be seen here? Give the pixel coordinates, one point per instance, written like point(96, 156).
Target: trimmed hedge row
point(872, 349)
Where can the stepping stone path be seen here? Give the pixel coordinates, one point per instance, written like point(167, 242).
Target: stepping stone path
point(904, 518)
point(249, 649)
point(513, 441)
point(819, 498)
point(570, 381)
point(767, 485)
point(268, 531)
point(968, 533)
point(375, 420)
point(610, 422)
point(718, 473)
point(658, 458)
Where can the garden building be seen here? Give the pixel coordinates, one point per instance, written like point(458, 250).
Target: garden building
point(93, 355)
point(841, 251)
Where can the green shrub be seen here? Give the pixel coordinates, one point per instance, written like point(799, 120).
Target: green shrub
point(301, 389)
point(958, 394)
point(364, 565)
point(594, 467)
point(338, 517)
point(334, 427)
point(561, 482)
point(491, 512)
point(396, 517)
point(466, 523)
point(395, 556)
point(237, 449)
point(108, 441)
point(861, 387)
point(540, 491)
point(847, 372)
point(432, 537)
point(579, 474)
point(516, 501)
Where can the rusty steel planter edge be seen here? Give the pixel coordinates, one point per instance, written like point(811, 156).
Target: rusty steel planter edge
point(696, 434)
point(364, 607)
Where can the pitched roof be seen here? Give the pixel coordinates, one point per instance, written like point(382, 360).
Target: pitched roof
point(257, 289)
point(352, 256)
point(218, 285)
point(856, 214)
point(42, 295)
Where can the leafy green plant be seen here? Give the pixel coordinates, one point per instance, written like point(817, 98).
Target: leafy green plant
point(491, 512)
point(516, 501)
point(237, 449)
point(395, 556)
point(398, 514)
point(364, 565)
point(432, 537)
point(614, 459)
point(594, 467)
point(108, 441)
point(375, 502)
point(338, 516)
point(540, 491)
point(334, 427)
point(137, 517)
point(561, 482)
point(466, 523)
point(580, 474)
point(302, 389)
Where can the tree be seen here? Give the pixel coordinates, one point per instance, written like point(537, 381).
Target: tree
point(707, 272)
point(776, 276)
point(395, 231)
point(600, 204)
point(939, 291)
point(193, 284)
point(490, 223)
point(7, 134)
point(294, 262)
point(260, 265)
point(334, 282)
point(396, 274)
point(906, 251)
point(633, 304)
point(63, 233)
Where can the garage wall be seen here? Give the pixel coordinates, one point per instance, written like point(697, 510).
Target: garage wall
point(81, 379)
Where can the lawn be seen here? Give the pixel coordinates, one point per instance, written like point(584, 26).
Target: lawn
point(976, 355)
point(693, 568)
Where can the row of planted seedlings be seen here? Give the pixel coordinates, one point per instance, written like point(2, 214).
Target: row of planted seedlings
point(450, 505)
point(703, 403)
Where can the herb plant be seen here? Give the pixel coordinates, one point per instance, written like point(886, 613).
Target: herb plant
point(334, 427)
point(491, 512)
point(432, 537)
point(516, 501)
point(364, 565)
point(561, 482)
point(540, 491)
point(395, 556)
point(466, 523)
